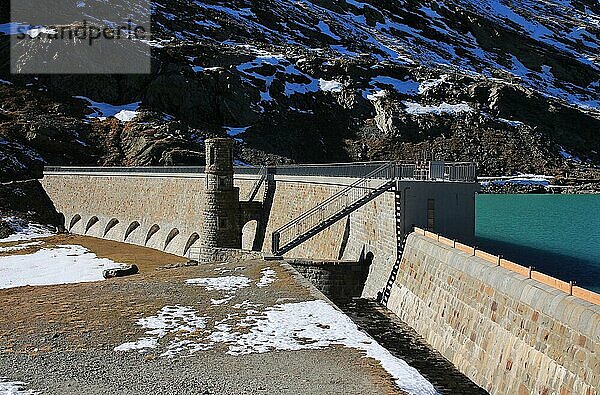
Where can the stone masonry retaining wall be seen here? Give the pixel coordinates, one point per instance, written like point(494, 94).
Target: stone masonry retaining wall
point(338, 280)
point(508, 333)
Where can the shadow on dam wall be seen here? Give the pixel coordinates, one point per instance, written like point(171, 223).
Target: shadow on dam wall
point(585, 273)
point(403, 342)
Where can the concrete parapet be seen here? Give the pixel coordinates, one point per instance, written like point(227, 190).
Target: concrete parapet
point(488, 257)
point(555, 283)
point(465, 248)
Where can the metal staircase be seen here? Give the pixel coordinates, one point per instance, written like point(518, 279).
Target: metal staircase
point(387, 291)
point(334, 208)
point(401, 237)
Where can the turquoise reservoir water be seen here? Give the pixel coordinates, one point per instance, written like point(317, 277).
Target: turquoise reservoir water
point(557, 234)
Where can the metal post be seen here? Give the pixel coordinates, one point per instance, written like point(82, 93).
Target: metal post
point(275, 243)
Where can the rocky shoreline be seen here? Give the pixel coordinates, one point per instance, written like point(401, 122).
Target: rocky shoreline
point(571, 188)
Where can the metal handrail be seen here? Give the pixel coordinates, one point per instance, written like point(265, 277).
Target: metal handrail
point(369, 176)
point(426, 171)
point(333, 205)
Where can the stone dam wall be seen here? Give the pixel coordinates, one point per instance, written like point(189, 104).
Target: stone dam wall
point(163, 211)
point(368, 232)
point(510, 334)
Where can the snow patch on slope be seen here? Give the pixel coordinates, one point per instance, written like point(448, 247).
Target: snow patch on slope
point(123, 113)
point(66, 264)
point(20, 247)
point(25, 231)
point(443, 108)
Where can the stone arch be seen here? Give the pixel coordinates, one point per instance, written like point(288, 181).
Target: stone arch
point(151, 232)
point(132, 226)
point(111, 224)
point(76, 218)
point(249, 231)
point(93, 221)
point(193, 239)
point(172, 234)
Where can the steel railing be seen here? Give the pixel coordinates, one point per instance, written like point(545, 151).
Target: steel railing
point(125, 170)
point(424, 171)
point(339, 202)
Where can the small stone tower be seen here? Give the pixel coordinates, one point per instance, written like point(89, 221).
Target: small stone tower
point(221, 206)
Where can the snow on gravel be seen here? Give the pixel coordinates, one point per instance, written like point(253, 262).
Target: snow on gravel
point(227, 283)
point(20, 247)
point(316, 325)
point(217, 302)
point(66, 264)
point(25, 231)
point(13, 388)
point(246, 304)
point(170, 319)
point(285, 327)
point(268, 277)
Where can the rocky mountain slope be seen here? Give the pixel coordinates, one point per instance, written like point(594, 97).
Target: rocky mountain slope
point(512, 85)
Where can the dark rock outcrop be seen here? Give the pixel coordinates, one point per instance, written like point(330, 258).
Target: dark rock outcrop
point(368, 81)
point(27, 200)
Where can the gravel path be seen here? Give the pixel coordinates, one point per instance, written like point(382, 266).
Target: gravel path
point(105, 372)
point(62, 339)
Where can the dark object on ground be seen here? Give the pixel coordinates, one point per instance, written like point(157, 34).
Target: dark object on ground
point(128, 270)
